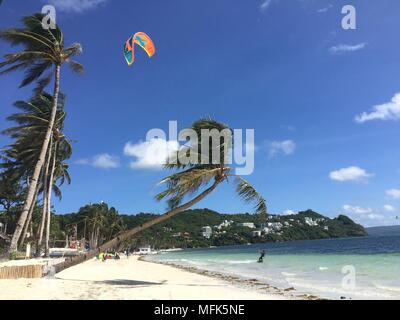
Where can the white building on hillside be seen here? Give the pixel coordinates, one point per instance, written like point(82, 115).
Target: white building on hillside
point(206, 232)
point(310, 221)
point(256, 233)
point(247, 224)
point(223, 224)
point(267, 230)
point(275, 225)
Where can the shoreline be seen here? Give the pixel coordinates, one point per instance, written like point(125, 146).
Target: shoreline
point(251, 284)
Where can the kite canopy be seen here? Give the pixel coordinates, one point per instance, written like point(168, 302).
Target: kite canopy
point(142, 40)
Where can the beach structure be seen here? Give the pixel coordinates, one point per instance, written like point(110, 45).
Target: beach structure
point(145, 250)
point(31, 268)
point(206, 232)
point(64, 252)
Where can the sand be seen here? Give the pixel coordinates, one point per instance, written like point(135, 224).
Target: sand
point(130, 279)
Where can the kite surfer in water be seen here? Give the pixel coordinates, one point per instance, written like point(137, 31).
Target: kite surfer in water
point(261, 258)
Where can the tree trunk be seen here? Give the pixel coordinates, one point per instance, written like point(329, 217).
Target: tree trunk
point(48, 202)
point(45, 198)
point(127, 234)
point(29, 219)
point(38, 167)
point(168, 215)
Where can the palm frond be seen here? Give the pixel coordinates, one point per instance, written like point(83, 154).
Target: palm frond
point(186, 183)
point(35, 72)
point(72, 50)
point(249, 194)
point(76, 66)
point(43, 83)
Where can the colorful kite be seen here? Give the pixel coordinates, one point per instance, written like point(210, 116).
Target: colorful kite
point(142, 40)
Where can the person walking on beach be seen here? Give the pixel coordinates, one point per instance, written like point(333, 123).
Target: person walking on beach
point(261, 258)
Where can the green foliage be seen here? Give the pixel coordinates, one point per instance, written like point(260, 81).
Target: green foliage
point(184, 230)
point(10, 190)
point(96, 223)
point(13, 255)
point(42, 50)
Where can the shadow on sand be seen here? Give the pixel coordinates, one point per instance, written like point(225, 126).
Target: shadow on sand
point(125, 282)
point(117, 282)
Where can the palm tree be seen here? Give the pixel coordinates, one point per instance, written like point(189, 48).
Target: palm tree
point(44, 51)
point(32, 122)
point(196, 177)
point(10, 190)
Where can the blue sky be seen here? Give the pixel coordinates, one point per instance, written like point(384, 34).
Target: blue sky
point(285, 68)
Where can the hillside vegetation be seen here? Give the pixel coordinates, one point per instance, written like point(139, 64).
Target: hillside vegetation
point(185, 230)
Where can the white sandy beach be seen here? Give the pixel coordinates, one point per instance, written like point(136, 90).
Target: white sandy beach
point(128, 279)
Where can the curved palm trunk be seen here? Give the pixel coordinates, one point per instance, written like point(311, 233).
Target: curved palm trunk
point(45, 199)
point(38, 167)
point(29, 219)
point(168, 215)
point(48, 202)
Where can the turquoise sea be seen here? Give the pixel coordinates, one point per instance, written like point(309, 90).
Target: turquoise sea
point(356, 268)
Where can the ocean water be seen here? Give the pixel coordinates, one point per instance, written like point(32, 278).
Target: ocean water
point(351, 268)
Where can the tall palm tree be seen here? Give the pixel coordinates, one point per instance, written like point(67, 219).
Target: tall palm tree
point(58, 172)
point(32, 122)
point(44, 51)
point(195, 178)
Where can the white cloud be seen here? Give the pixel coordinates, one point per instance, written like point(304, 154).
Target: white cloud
point(369, 217)
point(343, 48)
point(389, 208)
point(285, 147)
point(356, 209)
point(288, 212)
point(325, 9)
point(375, 216)
point(386, 111)
point(350, 174)
point(393, 193)
point(82, 161)
point(103, 161)
point(265, 5)
point(75, 5)
point(150, 154)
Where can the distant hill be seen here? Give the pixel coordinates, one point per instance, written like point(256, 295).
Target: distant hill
point(189, 229)
point(185, 230)
point(384, 231)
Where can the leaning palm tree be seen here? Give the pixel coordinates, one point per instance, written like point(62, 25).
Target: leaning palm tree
point(42, 57)
point(196, 178)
